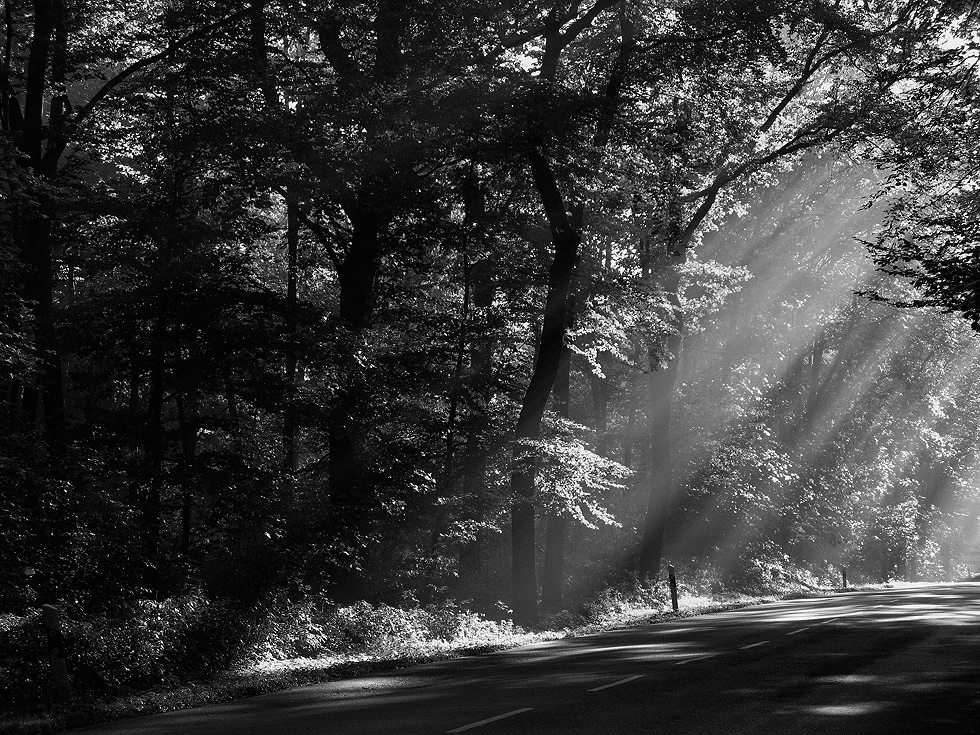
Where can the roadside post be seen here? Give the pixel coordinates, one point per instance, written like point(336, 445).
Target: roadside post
point(51, 617)
point(672, 579)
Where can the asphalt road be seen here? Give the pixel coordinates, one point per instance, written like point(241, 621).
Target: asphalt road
point(896, 661)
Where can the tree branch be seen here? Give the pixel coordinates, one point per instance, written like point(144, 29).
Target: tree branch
point(585, 21)
point(149, 61)
point(328, 31)
point(805, 138)
point(809, 69)
point(389, 24)
point(617, 76)
point(320, 232)
point(544, 182)
point(37, 65)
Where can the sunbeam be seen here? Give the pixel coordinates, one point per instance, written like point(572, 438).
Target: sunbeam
point(801, 368)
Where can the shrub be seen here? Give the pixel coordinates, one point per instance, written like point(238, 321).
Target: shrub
point(158, 642)
point(23, 661)
point(149, 644)
point(313, 627)
point(627, 596)
point(760, 569)
point(289, 629)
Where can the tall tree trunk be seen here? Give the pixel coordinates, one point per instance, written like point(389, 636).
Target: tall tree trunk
point(260, 58)
point(45, 20)
point(289, 427)
point(46, 48)
point(664, 361)
point(816, 368)
point(188, 423)
point(630, 438)
point(52, 376)
point(369, 214)
point(151, 505)
point(30, 401)
point(566, 238)
point(349, 491)
point(447, 480)
point(610, 102)
point(356, 278)
point(260, 69)
point(661, 390)
point(234, 417)
point(135, 426)
point(600, 410)
point(11, 408)
point(39, 291)
point(553, 568)
point(483, 285)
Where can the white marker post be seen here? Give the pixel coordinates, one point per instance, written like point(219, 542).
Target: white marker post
point(51, 616)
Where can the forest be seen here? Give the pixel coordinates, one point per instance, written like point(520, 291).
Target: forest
point(492, 305)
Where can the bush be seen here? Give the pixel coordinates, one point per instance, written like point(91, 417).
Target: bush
point(150, 644)
point(630, 595)
point(314, 627)
point(23, 661)
point(290, 629)
point(158, 642)
point(760, 569)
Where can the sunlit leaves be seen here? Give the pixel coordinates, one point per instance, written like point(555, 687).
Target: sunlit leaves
point(930, 153)
point(705, 286)
point(573, 480)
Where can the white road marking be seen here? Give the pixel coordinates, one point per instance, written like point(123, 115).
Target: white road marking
point(695, 658)
point(489, 720)
point(753, 645)
point(798, 630)
point(828, 622)
point(617, 683)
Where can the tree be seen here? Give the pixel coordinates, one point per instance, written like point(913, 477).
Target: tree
point(929, 237)
point(336, 292)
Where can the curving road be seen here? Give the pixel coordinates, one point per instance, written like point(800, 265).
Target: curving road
point(896, 661)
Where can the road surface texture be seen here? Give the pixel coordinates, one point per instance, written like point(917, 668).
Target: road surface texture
point(893, 661)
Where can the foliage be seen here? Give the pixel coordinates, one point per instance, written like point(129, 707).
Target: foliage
point(630, 596)
point(930, 237)
point(147, 645)
point(572, 478)
point(163, 644)
point(315, 628)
